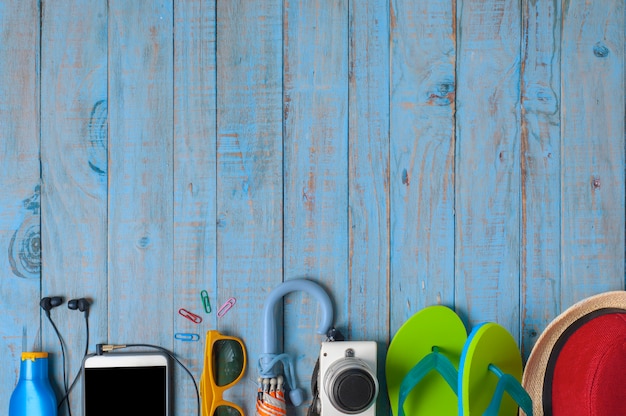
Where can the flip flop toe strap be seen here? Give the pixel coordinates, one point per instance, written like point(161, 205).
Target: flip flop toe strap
point(508, 383)
point(433, 361)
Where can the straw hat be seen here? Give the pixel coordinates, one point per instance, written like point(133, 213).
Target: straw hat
point(578, 365)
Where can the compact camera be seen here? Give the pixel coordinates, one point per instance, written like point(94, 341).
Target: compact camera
point(347, 378)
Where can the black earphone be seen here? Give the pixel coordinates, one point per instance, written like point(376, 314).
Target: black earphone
point(48, 303)
point(82, 304)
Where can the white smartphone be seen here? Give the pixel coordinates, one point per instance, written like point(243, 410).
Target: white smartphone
point(127, 384)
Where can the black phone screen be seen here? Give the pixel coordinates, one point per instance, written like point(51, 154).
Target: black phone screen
point(125, 391)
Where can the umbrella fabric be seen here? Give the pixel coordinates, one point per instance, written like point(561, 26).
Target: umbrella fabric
point(271, 398)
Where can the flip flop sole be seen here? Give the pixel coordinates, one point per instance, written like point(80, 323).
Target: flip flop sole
point(487, 344)
point(434, 326)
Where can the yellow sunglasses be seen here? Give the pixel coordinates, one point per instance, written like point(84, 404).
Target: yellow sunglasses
point(224, 364)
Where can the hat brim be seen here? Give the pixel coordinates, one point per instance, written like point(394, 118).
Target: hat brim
point(534, 376)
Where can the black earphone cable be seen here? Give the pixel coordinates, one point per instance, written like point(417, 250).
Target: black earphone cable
point(195, 385)
point(101, 349)
point(56, 330)
point(67, 394)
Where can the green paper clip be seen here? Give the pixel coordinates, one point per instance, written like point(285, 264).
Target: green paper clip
point(204, 295)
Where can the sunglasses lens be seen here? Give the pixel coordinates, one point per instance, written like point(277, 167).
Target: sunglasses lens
point(226, 411)
point(227, 365)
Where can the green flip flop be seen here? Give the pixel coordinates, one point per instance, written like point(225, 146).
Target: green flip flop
point(490, 365)
point(422, 363)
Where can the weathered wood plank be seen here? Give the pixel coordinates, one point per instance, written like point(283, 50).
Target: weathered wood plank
point(423, 57)
point(316, 84)
point(250, 176)
point(592, 206)
point(74, 172)
point(140, 263)
point(194, 253)
point(487, 180)
point(392, 166)
point(20, 241)
point(540, 158)
point(368, 101)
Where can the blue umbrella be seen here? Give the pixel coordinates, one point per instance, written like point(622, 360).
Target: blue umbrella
point(271, 354)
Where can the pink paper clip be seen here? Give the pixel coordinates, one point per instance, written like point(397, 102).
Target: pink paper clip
point(191, 316)
point(226, 307)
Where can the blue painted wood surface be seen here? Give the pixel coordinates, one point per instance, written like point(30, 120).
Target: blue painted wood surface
point(487, 167)
point(74, 176)
point(195, 181)
point(20, 188)
point(315, 169)
point(540, 165)
point(249, 182)
point(401, 154)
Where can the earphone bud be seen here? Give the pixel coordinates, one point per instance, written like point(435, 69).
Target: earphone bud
point(48, 303)
point(81, 304)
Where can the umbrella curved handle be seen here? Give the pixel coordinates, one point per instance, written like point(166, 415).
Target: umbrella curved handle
point(270, 337)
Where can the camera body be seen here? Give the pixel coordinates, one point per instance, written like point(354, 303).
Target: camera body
point(347, 378)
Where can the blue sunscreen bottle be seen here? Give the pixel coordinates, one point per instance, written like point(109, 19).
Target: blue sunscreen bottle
point(33, 395)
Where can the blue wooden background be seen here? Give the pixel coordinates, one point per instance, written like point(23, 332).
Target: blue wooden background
point(401, 153)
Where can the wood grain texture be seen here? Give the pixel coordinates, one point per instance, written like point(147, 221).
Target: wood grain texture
point(592, 207)
point(316, 171)
point(422, 145)
point(540, 158)
point(250, 176)
point(20, 207)
point(74, 173)
point(140, 206)
point(368, 192)
point(487, 178)
point(400, 153)
point(194, 167)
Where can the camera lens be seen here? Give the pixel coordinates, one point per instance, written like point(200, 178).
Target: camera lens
point(350, 385)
